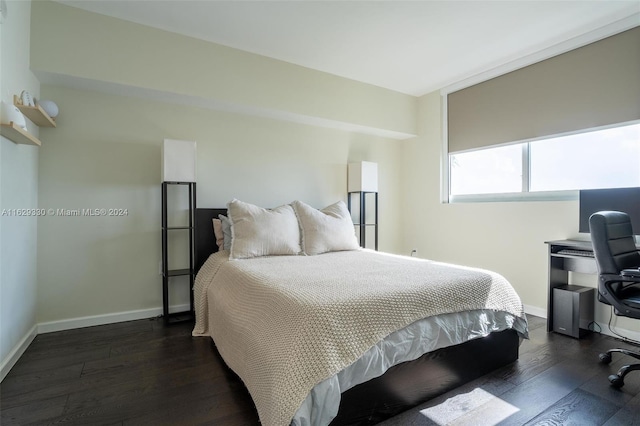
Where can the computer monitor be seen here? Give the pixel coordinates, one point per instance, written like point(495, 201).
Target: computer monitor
point(619, 199)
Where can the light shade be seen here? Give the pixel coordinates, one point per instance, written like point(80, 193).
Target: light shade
point(10, 113)
point(50, 108)
point(362, 177)
point(178, 161)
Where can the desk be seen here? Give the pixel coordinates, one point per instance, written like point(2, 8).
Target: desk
point(561, 263)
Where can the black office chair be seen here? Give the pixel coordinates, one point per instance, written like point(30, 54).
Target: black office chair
point(618, 263)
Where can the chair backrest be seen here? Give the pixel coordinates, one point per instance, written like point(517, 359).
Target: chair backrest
point(613, 243)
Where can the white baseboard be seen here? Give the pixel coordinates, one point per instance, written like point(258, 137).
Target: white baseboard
point(534, 310)
point(16, 352)
point(69, 324)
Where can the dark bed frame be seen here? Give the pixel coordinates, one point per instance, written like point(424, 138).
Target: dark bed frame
point(410, 383)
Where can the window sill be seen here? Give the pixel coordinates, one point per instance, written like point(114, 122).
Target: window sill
point(516, 196)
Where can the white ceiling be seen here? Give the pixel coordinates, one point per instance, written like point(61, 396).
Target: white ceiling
point(413, 47)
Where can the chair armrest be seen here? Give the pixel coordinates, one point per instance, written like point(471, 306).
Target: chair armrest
point(631, 273)
point(611, 278)
point(606, 291)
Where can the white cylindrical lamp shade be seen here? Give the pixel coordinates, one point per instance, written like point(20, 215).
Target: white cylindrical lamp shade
point(362, 177)
point(178, 161)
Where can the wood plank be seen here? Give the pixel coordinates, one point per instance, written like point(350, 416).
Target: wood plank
point(34, 412)
point(42, 364)
point(627, 415)
point(35, 113)
point(577, 408)
point(18, 135)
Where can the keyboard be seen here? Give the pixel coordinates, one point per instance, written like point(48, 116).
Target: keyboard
point(571, 252)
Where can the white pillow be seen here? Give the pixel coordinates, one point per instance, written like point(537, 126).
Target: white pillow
point(329, 229)
point(226, 231)
point(218, 233)
point(261, 232)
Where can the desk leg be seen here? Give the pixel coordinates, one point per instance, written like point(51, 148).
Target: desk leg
point(557, 277)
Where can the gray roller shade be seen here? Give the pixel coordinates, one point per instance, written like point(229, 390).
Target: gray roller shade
point(592, 86)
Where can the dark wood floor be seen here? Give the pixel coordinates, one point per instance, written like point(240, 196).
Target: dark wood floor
point(141, 372)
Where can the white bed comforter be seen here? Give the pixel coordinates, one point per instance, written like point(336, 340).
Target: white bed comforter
point(285, 324)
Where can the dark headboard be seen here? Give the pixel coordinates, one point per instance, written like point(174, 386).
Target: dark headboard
point(205, 240)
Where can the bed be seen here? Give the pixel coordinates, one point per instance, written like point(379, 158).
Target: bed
point(342, 365)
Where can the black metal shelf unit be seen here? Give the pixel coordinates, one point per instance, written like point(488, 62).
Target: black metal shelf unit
point(175, 317)
point(361, 223)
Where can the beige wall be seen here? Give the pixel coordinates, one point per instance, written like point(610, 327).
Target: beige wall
point(18, 190)
point(507, 237)
point(105, 153)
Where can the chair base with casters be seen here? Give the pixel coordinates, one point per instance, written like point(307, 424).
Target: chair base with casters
point(618, 262)
point(617, 380)
point(626, 304)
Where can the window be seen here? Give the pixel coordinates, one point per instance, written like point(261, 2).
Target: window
point(605, 158)
point(486, 171)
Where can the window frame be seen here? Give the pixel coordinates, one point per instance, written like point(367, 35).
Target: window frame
point(525, 194)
